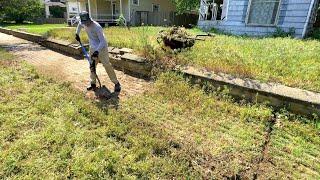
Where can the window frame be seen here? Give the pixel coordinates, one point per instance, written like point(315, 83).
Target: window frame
point(155, 5)
point(136, 4)
point(263, 25)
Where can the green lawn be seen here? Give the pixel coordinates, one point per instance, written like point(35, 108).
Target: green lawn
point(172, 131)
point(34, 28)
point(292, 62)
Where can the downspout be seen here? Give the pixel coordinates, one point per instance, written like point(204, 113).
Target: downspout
point(227, 9)
point(121, 13)
point(78, 3)
point(111, 5)
point(129, 9)
point(68, 13)
point(97, 14)
point(308, 19)
point(89, 6)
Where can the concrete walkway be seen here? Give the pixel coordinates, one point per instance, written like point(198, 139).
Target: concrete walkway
point(68, 69)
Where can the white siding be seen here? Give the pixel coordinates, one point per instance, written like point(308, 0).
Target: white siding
point(293, 13)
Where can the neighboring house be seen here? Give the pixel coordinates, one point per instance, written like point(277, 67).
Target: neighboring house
point(49, 3)
point(258, 17)
point(135, 12)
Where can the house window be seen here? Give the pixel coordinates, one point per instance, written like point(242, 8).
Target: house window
point(263, 12)
point(135, 2)
point(155, 7)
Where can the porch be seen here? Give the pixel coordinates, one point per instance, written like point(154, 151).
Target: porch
point(213, 10)
point(102, 11)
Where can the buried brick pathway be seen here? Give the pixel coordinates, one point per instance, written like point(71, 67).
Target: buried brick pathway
point(68, 69)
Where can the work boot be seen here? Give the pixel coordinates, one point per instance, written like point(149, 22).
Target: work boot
point(92, 87)
point(117, 88)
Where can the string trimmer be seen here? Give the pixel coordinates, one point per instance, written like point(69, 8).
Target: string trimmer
point(91, 62)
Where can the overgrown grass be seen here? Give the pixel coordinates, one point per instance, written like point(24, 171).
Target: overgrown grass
point(289, 61)
point(35, 28)
point(173, 131)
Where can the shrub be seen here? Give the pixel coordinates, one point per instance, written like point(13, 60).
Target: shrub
point(19, 11)
point(315, 34)
point(121, 21)
point(281, 33)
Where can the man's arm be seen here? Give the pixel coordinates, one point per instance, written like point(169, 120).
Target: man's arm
point(102, 39)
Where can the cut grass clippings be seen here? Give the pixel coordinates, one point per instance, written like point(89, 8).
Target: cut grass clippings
point(292, 62)
point(173, 131)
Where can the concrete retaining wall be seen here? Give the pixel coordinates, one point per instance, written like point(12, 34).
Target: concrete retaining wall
point(295, 100)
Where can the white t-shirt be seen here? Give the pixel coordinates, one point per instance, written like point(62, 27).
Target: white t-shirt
point(96, 36)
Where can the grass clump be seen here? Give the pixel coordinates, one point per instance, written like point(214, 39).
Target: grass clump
point(172, 131)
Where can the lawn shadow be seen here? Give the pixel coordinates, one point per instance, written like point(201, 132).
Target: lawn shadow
point(105, 99)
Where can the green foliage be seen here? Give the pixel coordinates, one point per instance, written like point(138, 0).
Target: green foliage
point(121, 21)
point(57, 11)
point(185, 6)
point(315, 34)
point(19, 11)
point(281, 33)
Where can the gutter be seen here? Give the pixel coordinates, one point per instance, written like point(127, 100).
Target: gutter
point(308, 19)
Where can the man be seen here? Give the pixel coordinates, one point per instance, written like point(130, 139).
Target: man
point(98, 49)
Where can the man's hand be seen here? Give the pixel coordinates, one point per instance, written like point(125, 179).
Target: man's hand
point(95, 54)
point(77, 37)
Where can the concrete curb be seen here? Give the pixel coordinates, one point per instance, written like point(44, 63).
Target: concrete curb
point(295, 100)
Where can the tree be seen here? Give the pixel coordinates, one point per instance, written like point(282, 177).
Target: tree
point(19, 11)
point(185, 6)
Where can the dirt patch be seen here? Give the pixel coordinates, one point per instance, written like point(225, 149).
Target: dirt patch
point(67, 69)
point(263, 160)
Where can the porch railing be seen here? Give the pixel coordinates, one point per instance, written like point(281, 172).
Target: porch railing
point(105, 17)
point(99, 17)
